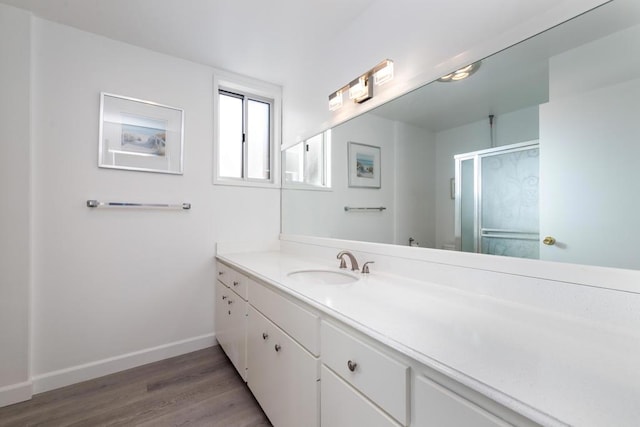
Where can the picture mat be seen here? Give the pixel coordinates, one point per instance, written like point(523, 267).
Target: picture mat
point(364, 165)
point(121, 115)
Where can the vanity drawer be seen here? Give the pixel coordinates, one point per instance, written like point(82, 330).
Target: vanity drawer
point(381, 378)
point(438, 406)
point(225, 274)
point(235, 280)
point(299, 323)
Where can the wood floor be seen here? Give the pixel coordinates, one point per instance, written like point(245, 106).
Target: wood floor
point(197, 389)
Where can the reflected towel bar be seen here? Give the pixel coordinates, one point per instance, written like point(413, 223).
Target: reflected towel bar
point(97, 204)
point(351, 208)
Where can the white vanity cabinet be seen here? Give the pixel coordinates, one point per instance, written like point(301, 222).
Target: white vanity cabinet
point(283, 369)
point(231, 317)
point(307, 368)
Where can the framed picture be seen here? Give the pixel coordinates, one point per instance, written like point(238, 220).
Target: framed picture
point(140, 135)
point(364, 165)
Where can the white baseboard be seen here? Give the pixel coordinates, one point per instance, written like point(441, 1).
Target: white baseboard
point(15, 393)
point(76, 374)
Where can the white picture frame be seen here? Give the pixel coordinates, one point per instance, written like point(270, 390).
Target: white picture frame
point(140, 135)
point(364, 165)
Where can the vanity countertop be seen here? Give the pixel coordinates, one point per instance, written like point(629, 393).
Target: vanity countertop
point(553, 368)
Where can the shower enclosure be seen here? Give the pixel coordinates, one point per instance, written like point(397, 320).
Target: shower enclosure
point(496, 198)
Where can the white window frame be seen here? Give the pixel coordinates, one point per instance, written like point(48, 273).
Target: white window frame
point(326, 164)
point(223, 80)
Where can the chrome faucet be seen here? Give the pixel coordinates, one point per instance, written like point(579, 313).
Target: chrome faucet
point(343, 263)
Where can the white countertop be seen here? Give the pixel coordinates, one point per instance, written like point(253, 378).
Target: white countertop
point(552, 368)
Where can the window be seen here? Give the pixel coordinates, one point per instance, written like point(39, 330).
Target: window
point(244, 136)
point(246, 128)
point(308, 163)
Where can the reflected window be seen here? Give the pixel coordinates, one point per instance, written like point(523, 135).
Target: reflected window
point(308, 163)
point(294, 164)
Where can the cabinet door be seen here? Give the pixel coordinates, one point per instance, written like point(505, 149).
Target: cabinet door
point(231, 327)
point(343, 406)
point(221, 325)
point(282, 375)
point(436, 406)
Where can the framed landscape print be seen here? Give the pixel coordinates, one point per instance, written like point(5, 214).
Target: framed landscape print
point(364, 165)
point(140, 135)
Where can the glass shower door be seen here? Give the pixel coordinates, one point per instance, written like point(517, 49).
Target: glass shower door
point(497, 201)
point(509, 214)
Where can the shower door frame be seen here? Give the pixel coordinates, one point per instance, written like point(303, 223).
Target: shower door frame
point(478, 232)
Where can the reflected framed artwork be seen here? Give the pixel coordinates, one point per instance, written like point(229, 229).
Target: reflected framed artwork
point(364, 165)
point(140, 135)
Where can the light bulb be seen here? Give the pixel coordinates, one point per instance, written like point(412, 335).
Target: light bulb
point(335, 100)
point(358, 88)
point(459, 76)
point(384, 74)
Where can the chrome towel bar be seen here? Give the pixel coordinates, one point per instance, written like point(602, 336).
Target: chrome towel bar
point(351, 208)
point(97, 204)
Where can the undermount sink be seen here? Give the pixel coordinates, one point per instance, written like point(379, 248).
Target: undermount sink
point(324, 277)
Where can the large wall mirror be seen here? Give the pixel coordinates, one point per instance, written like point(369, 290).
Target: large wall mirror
point(542, 140)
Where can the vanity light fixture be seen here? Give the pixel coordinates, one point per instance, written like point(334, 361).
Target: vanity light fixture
point(361, 88)
point(461, 74)
point(383, 72)
point(335, 100)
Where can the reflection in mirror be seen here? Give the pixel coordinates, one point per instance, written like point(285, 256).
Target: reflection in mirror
point(574, 90)
point(307, 164)
point(497, 210)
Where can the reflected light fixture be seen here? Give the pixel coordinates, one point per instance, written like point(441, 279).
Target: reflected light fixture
point(461, 74)
point(361, 88)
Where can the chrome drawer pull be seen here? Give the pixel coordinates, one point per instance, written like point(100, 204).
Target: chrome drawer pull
point(230, 302)
point(235, 283)
point(224, 297)
point(277, 347)
point(265, 335)
point(220, 273)
point(351, 365)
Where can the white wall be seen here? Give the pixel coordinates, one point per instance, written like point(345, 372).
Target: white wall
point(415, 185)
point(15, 206)
point(509, 128)
point(589, 154)
point(602, 63)
point(114, 288)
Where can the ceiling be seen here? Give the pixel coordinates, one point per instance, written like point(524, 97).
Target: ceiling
point(270, 39)
point(281, 40)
